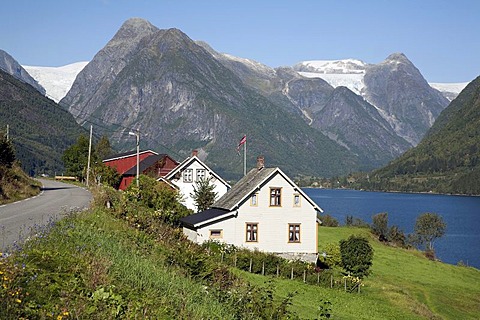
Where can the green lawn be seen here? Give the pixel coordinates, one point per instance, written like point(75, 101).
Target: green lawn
point(403, 285)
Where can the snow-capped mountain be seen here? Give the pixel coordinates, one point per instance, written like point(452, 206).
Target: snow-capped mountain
point(449, 90)
point(350, 73)
point(57, 81)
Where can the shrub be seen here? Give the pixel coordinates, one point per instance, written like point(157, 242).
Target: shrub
point(380, 225)
point(357, 256)
point(333, 257)
point(328, 221)
point(396, 236)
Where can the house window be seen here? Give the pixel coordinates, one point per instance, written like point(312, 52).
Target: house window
point(254, 200)
point(200, 174)
point(188, 175)
point(275, 197)
point(252, 232)
point(296, 200)
point(294, 233)
point(216, 234)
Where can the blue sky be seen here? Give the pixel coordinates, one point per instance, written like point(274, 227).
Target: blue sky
point(440, 37)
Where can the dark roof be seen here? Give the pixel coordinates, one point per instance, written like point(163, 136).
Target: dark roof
point(202, 218)
point(126, 154)
point(145, 164)
point(244, 187)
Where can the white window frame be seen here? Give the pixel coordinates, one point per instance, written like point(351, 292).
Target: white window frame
point(188, 175)
point(198, 176)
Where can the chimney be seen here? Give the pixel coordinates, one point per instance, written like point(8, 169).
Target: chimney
point(260, 162)
point(195, 153)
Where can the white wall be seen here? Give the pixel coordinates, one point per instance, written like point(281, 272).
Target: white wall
point(272, 222)
point(186, 188)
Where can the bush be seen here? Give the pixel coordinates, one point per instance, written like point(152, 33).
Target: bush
point(153, 200)
point(396, 236)
point(380, 225)
point(333, 256)
point(328, 221)
point(357, 256)
point(351, 221)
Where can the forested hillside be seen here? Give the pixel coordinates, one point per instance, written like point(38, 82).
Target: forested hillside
point(39, 128)
point(447, 160)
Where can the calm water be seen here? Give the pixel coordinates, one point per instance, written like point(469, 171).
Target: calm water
point(461, 214)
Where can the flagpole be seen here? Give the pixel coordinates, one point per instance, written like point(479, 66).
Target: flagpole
point(245, 158)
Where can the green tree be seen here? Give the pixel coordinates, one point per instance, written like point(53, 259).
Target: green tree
point(380, 225)
point(429, 227)
point(158, 199)
point(106, 175)
point(357, 256)
point(7, 152)
point(103, 149)
point(203, 194)
point(75, 158)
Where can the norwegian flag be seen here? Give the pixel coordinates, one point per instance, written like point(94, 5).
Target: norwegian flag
point(242, 141)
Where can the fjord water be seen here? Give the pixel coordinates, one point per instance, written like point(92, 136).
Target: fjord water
point(461, 241)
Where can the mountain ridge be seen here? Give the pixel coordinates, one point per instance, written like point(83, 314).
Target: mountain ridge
point(204, 106)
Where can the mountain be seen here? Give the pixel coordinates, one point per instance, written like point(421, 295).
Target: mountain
point(57, 81)
point(11, 66)
point(181, 98)
point(39, 128)
point(339, 113)
point(447, 160)
point(395, 87)
point(449, 90)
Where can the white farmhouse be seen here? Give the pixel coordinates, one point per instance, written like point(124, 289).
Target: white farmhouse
point(265, 210)
point(186, 175)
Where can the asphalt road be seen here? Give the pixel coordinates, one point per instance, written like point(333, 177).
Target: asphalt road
point(55, 201)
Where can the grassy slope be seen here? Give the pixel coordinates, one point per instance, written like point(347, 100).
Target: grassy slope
point(403, 285)
point(15, 185)
point(104, 251)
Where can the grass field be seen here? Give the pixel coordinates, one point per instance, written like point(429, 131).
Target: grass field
point(403, 285)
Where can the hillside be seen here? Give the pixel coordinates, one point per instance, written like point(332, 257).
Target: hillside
point(39, 128)
point(447, 160)
point(16, 185)
point(106, 263)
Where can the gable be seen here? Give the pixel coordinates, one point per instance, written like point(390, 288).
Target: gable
point(193, 163)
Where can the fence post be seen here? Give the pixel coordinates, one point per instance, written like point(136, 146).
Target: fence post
point(278, 270)
point(359, 285)
point(250, 265)
point(304, 276)
point(318, 278)
point(263, 268)
point(291, 277)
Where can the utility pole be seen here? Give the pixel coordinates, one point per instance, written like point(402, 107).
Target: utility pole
point(245, 157)
point(89, 153)
point(137, 134)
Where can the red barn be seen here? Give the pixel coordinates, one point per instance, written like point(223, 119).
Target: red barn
point(151, 163)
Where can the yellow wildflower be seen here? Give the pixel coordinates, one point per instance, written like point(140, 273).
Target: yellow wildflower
point(18, 300)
